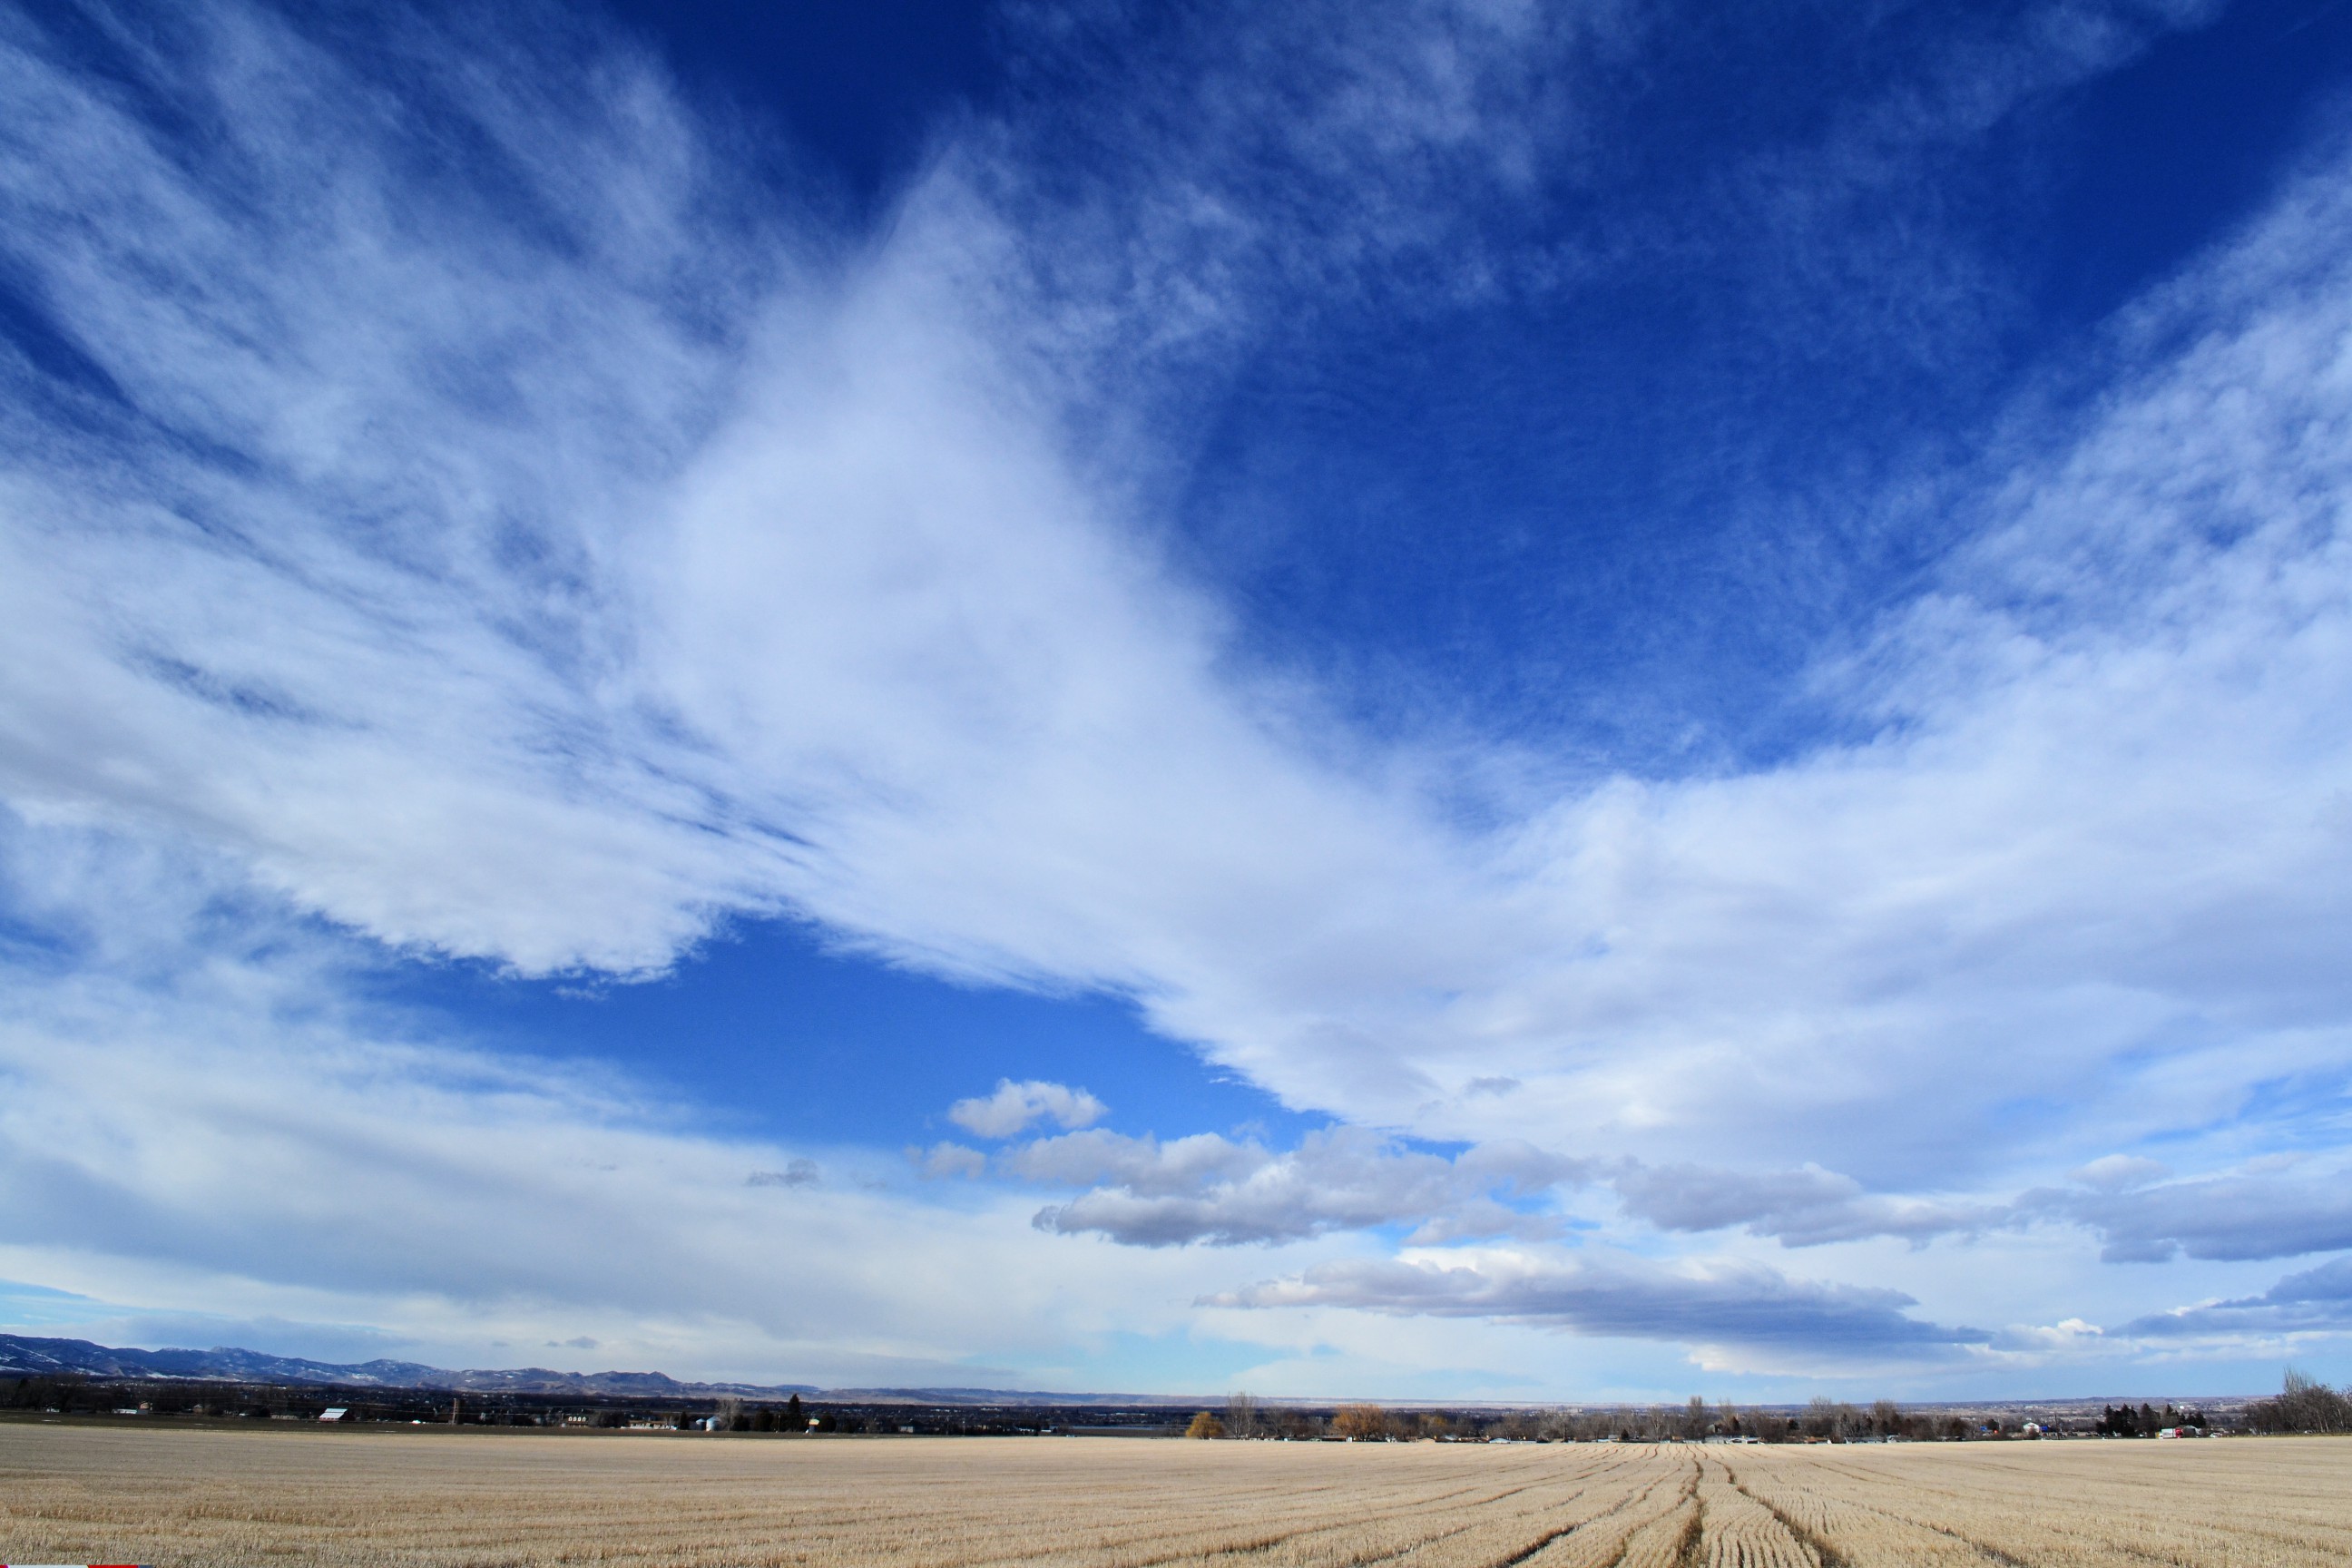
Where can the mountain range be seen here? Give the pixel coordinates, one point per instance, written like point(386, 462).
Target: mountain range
point(24, 1356)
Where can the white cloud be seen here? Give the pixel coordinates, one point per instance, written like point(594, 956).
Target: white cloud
point(1211, 1189)
point(2236, 1215)
point(942, 1160)
point(2120, 1172)
point(2304, 1305)
point(1733, 1312)
point(217, 1141)
point(2072, 1340)
point(1015, 1108)
point(748, 650)
point(549, 602)
point(1805, 1207)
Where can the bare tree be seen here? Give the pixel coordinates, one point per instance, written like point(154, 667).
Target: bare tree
point(2304, 1404)
point(1363, 1422)
point(1520, 1426)
point(1241, 1415)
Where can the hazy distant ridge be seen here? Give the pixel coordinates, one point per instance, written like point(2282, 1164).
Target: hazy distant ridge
point(21, 1356)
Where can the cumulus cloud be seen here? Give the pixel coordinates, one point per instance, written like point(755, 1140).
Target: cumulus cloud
point(1015, 1108)
point(1208, 1188)
point(1704, 1303)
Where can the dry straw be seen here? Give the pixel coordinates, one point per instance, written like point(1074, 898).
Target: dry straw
point(453, 1496)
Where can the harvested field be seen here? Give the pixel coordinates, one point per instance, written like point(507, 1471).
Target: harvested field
point(91, 1493)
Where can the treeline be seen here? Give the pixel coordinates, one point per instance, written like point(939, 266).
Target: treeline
point(2304, 1404)
point(76, 1394)
point(46, 1394)
point(1823, 1420)
point(2123, 1420)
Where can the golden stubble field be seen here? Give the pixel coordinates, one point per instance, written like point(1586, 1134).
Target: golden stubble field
point(85, 1493)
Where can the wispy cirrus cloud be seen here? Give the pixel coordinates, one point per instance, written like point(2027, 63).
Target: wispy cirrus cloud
point(640, 631)
point(544, 554)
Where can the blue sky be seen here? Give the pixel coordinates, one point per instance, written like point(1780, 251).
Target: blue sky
point(1463, 701)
